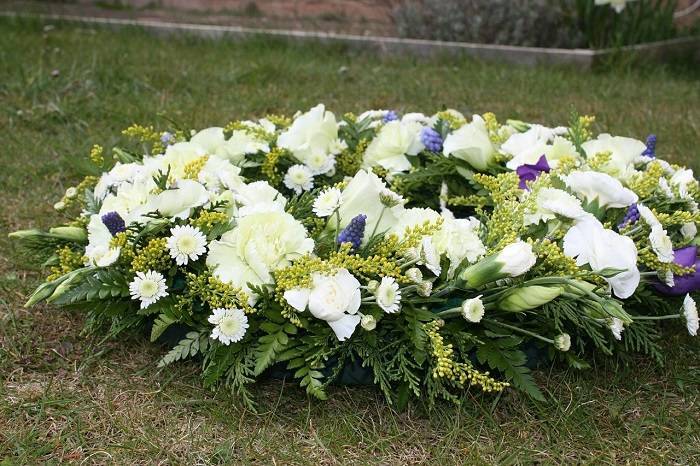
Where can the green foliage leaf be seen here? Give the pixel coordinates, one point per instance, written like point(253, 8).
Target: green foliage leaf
point(191, 345)
point(502, 354)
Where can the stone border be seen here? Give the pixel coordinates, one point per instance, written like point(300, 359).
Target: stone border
point(531, 56)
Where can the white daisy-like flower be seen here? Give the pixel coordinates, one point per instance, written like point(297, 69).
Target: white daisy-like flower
point(690, 312)
point(388, 295)
point(563, 342)
point(473, 309)
point(299, 178)
point(616, 327)
point(148, 287)
point(230, 325)
point(661, 244)
point(327, 202)
point(186, 243)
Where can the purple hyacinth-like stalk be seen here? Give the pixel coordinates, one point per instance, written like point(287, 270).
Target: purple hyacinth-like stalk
point(390, 116)
point(114, 222)
point(650, 151)
point(166, 138)
point(354, 232)
point(530, 172)
point(431, 139)
point(631, 216)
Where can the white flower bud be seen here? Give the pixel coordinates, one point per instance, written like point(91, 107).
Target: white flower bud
point(71, 192)
point(414, 274)
point(60, 205)
point(372, 286)
point(563, 342)
point(425, 288)
point(368, 322)
point(473, 309)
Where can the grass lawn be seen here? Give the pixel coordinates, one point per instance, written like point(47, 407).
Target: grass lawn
point(65, 398)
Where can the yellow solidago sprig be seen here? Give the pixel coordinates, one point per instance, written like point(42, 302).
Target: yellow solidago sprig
point(460, 374)
point(256, 131)
point(153, 256)
point(280, 121)
point(68, 261)
point(214, 293)
point(97, 155)
point(270, 166)
point(146, 135)
point(348, 162)
point(551, 259)
point(75, 195)
point(645, 182)
point(453, 119)
point(496, 136)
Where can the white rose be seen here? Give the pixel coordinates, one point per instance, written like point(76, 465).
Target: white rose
point(334, 299)
point(395, 141)
point(591, 244)
point(472, 144)
point(624, 153)
point(311, 135)
point(593, 186)
point(259, 244)
point(180, 201)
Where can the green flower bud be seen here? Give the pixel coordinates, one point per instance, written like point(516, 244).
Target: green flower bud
point(75, 234)
point(528, 297)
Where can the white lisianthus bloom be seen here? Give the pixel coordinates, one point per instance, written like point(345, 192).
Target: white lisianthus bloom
point(647, 215)
point(389, 148)
point(230, 325)
point(473, 309)
point(458, 239)
point(98, 251)
point(312, 136)
point(261, 243)
point(186, 243)
point(299, 178)
point(335, 299)
point(472, 144)
point(563, 342)
point(362, 196)
point(624, 153)
point(616, 327)
point(617, 5)
point(388, 295)
point(179, 201)
point(517, 258)
point(595, 186)
point(551, 202)
point(327, 202)
point(528, 147)
point(690, 312)
point(661, 244)
point(689, 230)
point(218, 174)
point(213, 142)
point(259, 196)
point(411, 218)
point(148, 288)
point(590, 243)
point(683, 179)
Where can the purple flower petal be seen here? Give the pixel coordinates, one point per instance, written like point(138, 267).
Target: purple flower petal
point(683, 284)
point(530, 172)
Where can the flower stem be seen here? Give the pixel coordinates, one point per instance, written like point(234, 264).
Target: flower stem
point(520, 330)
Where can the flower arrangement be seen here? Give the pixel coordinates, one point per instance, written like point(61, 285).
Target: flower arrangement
point(431, 250)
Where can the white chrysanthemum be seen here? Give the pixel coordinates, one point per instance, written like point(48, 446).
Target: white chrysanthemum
point(473, 309)
point(327, 202)
point(186, 243)
point(230, 325)
point(690, 312)
point(563, 342)
point(616, 327)
point(661, 244)
point(388, 295)
point(299, 178)
point(148, 287)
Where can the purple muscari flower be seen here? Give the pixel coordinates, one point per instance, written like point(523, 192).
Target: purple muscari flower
point(166, 138)
point(529, 172)
point(114, 222)
point(354, 232)
point(683, 284)
point(431, 139)
point(650, 151)
point(390, 116)
point(631, 216)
